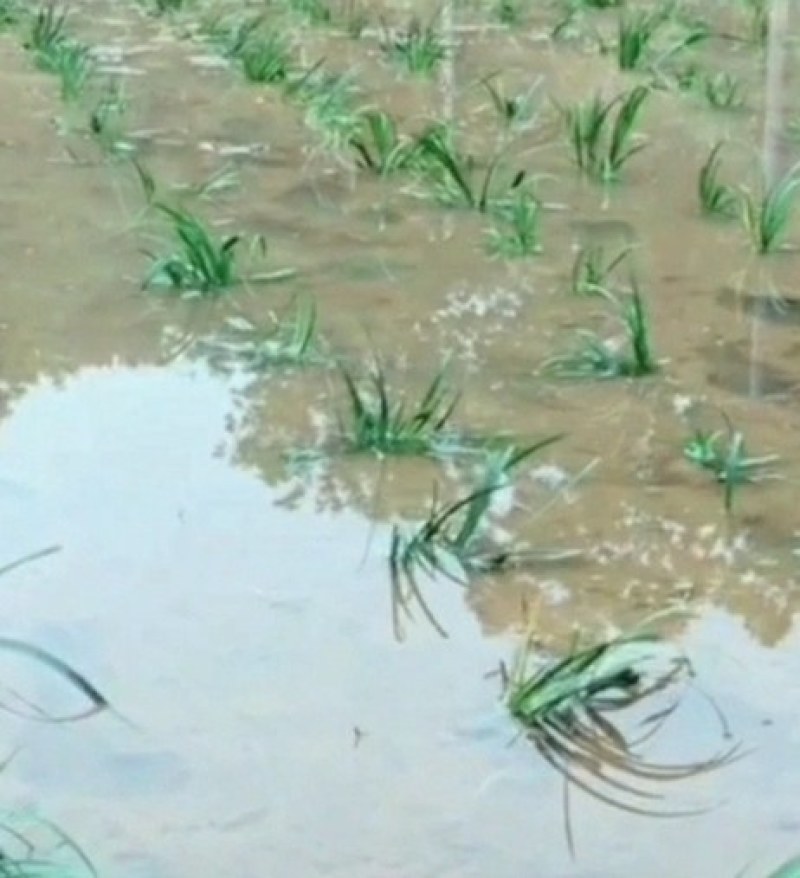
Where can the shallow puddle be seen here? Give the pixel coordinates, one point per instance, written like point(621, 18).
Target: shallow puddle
point(222, 569)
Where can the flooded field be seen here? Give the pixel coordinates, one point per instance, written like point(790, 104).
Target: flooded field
point(539, 621)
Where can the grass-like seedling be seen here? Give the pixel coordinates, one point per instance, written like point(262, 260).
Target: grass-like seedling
point(716, 198)
point(55, 52)
point(313, 11)
point(230, 34)
point(516, 228)
point(509, 12)
point(47, 29)
point(456, 181)
point(265, 59)
point(635, 33)
point(572, 711)
point(291, 342)
point(758, 26)
point(418, 48)
point(515, 111)
point(384, 425)
point(724, 455)
point(723, 91)
point(602, 140)
point(453, 540)
point(202, 264)
point(380, 148)
point(592, 269)
point(106, 119)
point(10, 13)
point(328, 99)
point(766, 217)
point(632, 357)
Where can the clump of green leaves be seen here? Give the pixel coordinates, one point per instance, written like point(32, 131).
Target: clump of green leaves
point(637, 32)
point(724, 455)
point(602, 133)
point(380, 148)
point(202, 264)
point(328, 99)
point(766, 217)
point(631, 357)
point(455, 178)
point(723, 91)
point(56, 52)
point(515, 111)
point(454, 538)
point(313, 11)
point(571, 710)
point(716, 198)
point(380, 423)
point(418, 48)
point(516, 229)
point(293, 341)
point(592, 269)
point(106, 119)
point(265, 59)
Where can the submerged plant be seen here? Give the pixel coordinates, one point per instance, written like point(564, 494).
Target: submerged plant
point(313, 11)
point(716, 198)
point(265, 59)
point(632, 357)
point(766, 217)
point(602, 132)
point(55, 52)
point(106, 119)
point(379, 423)
point(379, 146)
point(572, 710)
point(329, 102)
point(292, 342)
point(636, 31)
point(724, 455)
point(513, 110)
point(516, 229)
point(455, 179)
point(47, 29)
point(418, 48)
point(453, 540)
point(592, 269)
point(202, 264)
point(723, 91)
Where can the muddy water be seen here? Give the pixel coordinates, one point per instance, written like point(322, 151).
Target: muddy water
point(236, 605)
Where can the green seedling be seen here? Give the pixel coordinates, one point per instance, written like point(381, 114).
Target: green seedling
point(723, 91)
point(592, 270)
point(230, 34)
point(716, 198)
point(219, 182)
point(380, 148)
point(47, 29)
point(509, 12)
point(291, 342)
point(10, 13)
point(73, 64)
point(571, 710)
point(384, 425)
point(202, 264)
point(418, 48)
point(514, 111)
point(265, 59)
point(313, 11)
point(637, 31)
point(106, 119)
point(455, 179)
point(631, 357)
point(603, 141)
point(766, 217)
point(166, 7)
point(328, 99)
point(724, 455)
point(454, 538)
point(516, 230)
